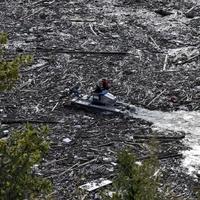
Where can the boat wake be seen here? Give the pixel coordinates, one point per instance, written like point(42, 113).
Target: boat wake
point(184, 121)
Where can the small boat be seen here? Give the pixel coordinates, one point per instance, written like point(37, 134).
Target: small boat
point(105, 102)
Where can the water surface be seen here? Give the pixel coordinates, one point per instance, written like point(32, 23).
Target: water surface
point(184, 121)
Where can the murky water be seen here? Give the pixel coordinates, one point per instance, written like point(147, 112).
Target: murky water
point(187, 122)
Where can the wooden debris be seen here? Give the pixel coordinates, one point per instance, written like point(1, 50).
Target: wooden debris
point(80, 52)
point(156, 97)
point(115, 41)
point(164, 156)
point(22, 121)
point(165, 62)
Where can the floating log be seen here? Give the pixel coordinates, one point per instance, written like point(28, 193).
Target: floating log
point(22, 121)
point(40, 49)
point(179, 137)
point(164, 156)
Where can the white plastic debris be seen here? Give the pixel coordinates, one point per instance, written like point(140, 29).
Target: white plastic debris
point(77, 126)
point(6, 131)
point(114, 163)
point(93, 185)
point(138, 163)
point(35, 169)
point(107, 159)
point(156, 173)
point(110, 194)
point(111, 169)
point(67, 140)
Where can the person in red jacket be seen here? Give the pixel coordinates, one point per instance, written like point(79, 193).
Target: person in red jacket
point(102, 84)
point(102, 87)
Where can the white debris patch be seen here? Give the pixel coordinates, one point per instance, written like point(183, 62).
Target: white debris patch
point(93, 185)
point(67, 140)
point(138, 163)
point(6, 131)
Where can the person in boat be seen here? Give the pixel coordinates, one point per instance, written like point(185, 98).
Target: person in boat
point(102, 87)
point(75, 90)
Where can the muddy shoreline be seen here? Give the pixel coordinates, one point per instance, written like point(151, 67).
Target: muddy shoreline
point(152, 59)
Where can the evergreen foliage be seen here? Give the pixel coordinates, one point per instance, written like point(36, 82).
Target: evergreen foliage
point(135, 180)
point(9, 69)
point(23, 149)
point(18, 154)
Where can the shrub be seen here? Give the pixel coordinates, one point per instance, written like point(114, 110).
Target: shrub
point(9, 69)
point(18, 154)
point(23, 149)
point(136, 180)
